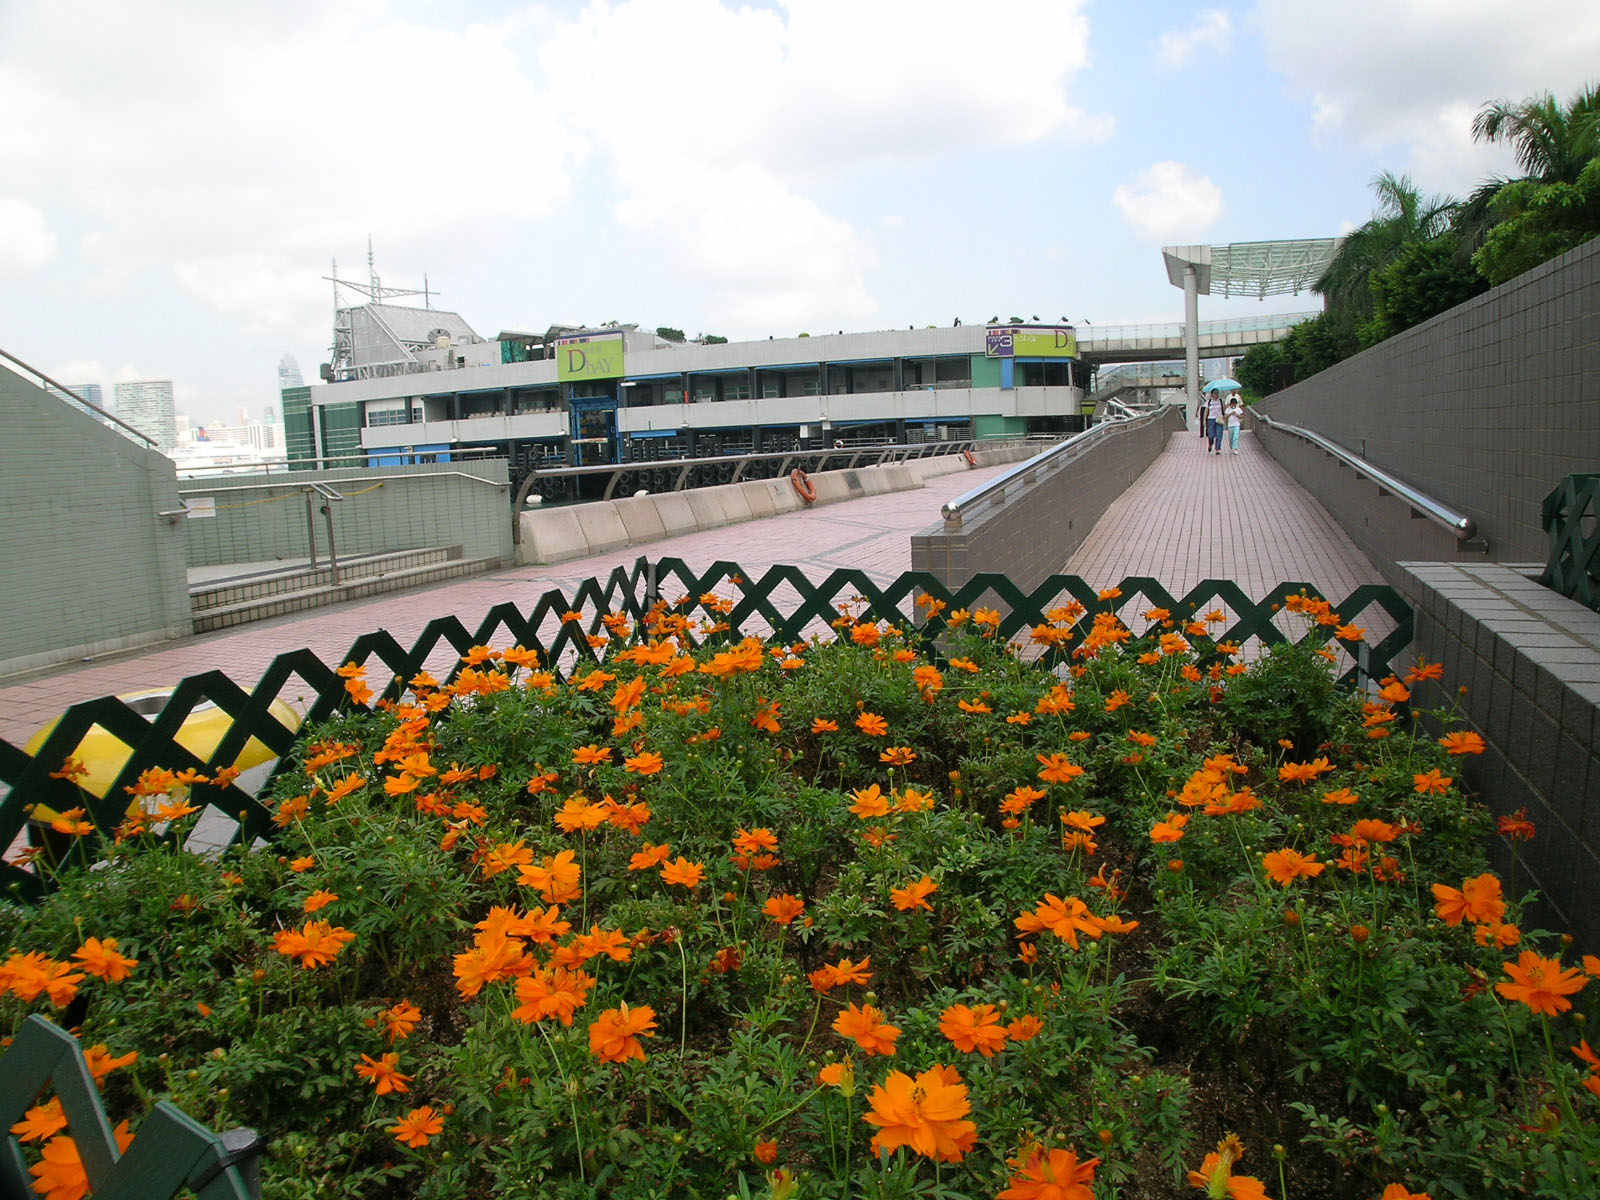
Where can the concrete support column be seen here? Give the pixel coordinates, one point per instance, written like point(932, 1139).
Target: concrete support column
point(1191, 335)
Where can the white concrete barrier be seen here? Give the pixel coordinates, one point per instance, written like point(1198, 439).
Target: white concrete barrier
point(579, 530)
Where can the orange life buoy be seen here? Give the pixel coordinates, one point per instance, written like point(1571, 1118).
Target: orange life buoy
point(971, 459)
point(803, 485)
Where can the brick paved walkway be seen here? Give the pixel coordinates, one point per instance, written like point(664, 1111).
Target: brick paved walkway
point(872, 534)
point(1191, 516)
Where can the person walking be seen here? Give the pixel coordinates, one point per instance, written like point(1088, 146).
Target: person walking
point(1233, 414)
point(1214, 423)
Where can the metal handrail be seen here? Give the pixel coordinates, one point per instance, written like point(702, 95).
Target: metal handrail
point(313, 485)
point(1057, 455)
point(1463, 526)
point(61, 387)
point(339, 461)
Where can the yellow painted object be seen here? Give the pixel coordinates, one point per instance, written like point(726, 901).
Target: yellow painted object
point(105, 755)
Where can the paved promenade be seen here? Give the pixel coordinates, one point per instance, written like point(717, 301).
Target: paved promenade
point(1191, 516)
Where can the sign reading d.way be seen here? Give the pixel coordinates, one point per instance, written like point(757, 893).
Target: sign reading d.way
point(1036, 341)
point(593, 356)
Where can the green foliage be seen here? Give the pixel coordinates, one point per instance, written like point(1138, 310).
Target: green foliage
point(1423, 280)
point(1538, 221)
point(1336, 1015)
point(669, 333)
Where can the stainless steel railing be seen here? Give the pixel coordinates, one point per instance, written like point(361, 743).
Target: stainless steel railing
point(1463, 526)
point(67, 396)
point(1028, 471)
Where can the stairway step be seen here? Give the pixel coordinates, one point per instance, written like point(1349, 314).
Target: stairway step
point(266, 607)
point(232, 592)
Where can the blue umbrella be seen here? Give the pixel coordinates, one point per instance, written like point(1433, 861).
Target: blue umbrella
point(1222, 385)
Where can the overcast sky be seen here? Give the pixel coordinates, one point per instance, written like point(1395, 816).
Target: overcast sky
point(176, 176)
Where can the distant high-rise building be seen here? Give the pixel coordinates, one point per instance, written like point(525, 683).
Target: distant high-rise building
point(90, 392)
point(148, 407)
point(289, 373)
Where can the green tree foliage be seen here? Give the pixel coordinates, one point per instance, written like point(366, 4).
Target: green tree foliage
point(1404, 216)
point(1538, 221)
point(1424, 280)
point(669, 333)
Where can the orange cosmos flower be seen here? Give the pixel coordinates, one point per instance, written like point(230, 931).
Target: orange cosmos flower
point(872, 725)
point(650, 857)
point(914, 895)
point(384, 1073)
point(48, 1119)
point(926, 1114)
point(784, 909)
point(1088, 822)
point(552, 992)
point(506, 856)
point(398, 1021)
point(1516, 827)
point(100, 958)
point(755, 841)
point(1285, 866)
point(1479, 900)
point(898, 756)
point(1050, 1174)
point(1433, 781)
point(591, 754)
point(1025, 1028)
point(630, 817)
point(1503, 936)
point(556, 879)
point(820, 725)
point(59, 1174)
point(1462, 742)
point(1399, 1191)
point(318, 900)
point(578, 815)
point(1064, 918)
point(1216, 1178)
point(315, 944)
point(841, 973)
point(870, 803)
point(1057, 768)
point(417, 1126)
point(493, 957)
point(304, 863)
point(1541, 983)
point(841, 1075)
point(1304, 772)
point(683, 872)
point(614, 1035)
point(973, 1029)
point(1371, 830)
point(867, 1028)
point(1341, 796)
point(648, 763)
point(1170, 830)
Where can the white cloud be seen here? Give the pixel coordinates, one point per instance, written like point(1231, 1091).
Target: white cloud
point(751, 111)
point(1212, 30)
point(27, 243)
point(1406, 79)
point(198, 139)
point(1169, 201)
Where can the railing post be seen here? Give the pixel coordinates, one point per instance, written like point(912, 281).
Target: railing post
point(333, 550)
point(311, 529)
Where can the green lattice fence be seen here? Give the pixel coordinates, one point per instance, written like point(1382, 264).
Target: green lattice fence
point(170, 1152)
point(1572, 521)
point(783, 604)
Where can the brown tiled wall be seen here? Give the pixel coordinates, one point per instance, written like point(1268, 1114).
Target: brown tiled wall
point(1035, 531)
point(1486, 407)
point(1530, 661)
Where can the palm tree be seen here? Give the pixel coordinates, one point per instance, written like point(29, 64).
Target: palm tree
point(1552, 144)
point(1404, 216)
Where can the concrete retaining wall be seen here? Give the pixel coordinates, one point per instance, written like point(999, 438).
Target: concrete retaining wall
point(1031, 531)
point(558, 534)
point(385, 509)
point(1529, 660)
point(1486, 407)
point(90, 565)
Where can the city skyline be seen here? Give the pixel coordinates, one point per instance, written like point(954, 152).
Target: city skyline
point(885, 164)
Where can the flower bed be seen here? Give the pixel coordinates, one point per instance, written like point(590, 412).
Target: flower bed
point(829, 919)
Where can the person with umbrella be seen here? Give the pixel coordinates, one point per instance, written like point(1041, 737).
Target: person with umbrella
point(1213, 410)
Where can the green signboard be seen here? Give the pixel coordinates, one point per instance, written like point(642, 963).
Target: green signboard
point(595, 357)
point(1045, 343)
